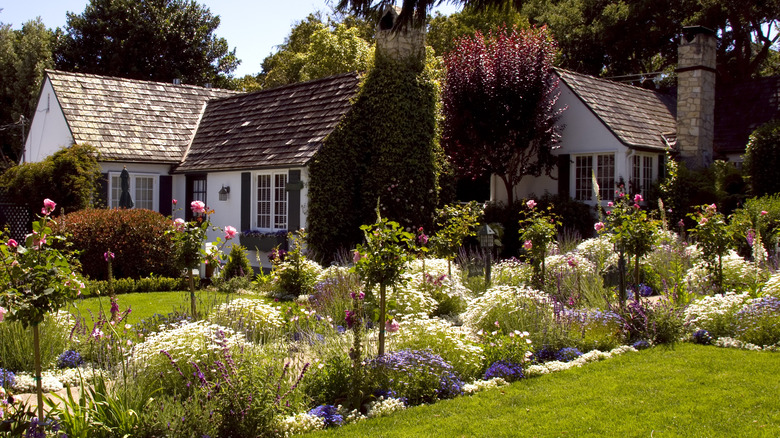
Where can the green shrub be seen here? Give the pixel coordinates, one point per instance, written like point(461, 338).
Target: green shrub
point(237, 264)
point(130, 285)
point(137, 238)
point(749, 217)
point(762, 159)
point(294, 275)
point(16, 342)
point(69, 177)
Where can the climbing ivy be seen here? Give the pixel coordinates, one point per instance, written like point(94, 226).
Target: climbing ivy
point(385, 150)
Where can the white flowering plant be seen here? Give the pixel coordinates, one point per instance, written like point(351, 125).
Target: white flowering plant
point(254, 318)
point(716, 313)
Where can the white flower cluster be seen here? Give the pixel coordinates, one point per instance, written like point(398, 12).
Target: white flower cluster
point(511, 272)
point(501, 298)
point(727, 342)
point(300, 423)
point(56, 380)
point(334, 272)
point(453, 344)
point(715, 312)
point(410, 295)
point(772, 286)
point(251, 313)
point(185, 342)
point(350, 417)
point(567, 264)
point(415, 292)
point(738, 273)
point(591, 356)
point(433, 267)
point(384, 407)
point(483, 385)
point(599, 251)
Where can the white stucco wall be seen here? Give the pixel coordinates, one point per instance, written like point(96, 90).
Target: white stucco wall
point(49, 132)
point(583, 133)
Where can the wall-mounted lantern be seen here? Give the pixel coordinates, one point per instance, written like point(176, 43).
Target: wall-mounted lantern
point(224, 193)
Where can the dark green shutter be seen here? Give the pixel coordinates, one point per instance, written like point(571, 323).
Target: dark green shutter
point(661, 166)
point(564, 174)
point(294, 186)
point(246, 200)
point(103, 190)
point(166, 195)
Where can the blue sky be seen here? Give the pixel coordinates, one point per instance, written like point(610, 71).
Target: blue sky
point(253, 27)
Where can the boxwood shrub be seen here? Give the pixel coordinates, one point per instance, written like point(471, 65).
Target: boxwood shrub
point(137, 238)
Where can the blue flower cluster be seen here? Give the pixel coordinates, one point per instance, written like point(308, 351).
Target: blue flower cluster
point(418, 375)
point(544, 354)
point(702, 337)
point(329, 413)
point(645, 290)
point(641, 344)
point(508, 371)
point(567, 354)
point(69, 359)
point(7, 378)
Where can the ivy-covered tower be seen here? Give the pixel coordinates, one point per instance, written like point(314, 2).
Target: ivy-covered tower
point(384, 152)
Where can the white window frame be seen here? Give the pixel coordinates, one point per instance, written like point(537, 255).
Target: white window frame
point(606, 182)
point(275, 220)
point(646, 176)
point(113, 198)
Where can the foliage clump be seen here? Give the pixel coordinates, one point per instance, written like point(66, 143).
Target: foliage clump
point(237, 264)
point(137, 238)
point(762, 158)
point(384, 149)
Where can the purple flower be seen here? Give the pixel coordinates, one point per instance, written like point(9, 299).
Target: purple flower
point(505, 369)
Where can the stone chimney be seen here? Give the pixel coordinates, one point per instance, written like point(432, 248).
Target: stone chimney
point(401, 44)
point(696, 96)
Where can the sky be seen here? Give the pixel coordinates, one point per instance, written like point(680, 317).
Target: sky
point(253, 27)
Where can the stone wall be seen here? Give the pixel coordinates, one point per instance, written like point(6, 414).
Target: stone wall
point(696, 96)
point(401, 44)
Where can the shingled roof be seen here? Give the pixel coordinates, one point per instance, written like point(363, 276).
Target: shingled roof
point(283, 126)
point(638, 117)
point(131, 120)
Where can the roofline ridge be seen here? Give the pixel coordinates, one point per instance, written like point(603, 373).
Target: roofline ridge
point(121, 79)
point(633, 87)
point(239, 95)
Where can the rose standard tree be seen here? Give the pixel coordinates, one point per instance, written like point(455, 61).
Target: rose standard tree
point(36, 280)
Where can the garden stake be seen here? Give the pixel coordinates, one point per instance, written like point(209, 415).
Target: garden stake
point(382, 289)
point(38, 384)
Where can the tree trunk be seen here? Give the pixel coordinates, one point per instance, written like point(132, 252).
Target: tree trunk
point(382, 291)
point(37, 360)
point(192, 295)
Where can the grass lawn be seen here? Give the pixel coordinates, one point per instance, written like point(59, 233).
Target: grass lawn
point(144, 305)
point(690, 391)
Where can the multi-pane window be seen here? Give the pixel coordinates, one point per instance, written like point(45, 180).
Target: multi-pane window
point(142, 190)
point(641, 174)
point(199, 189)
point(600, 165)
point(272, 201)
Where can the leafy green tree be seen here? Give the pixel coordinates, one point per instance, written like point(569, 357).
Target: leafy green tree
point(70, 175)
point(157, 40)
point(499, 106)
point(445, 30)
point(24, 54)
point(315, 49)
point(762, 158)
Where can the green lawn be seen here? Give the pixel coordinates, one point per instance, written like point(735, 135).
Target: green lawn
point(688, 391)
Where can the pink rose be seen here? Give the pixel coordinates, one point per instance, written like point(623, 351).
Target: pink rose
point(703, 221)
point(2, 313)
point(356, 256)
point(198, 207)
point(12, 243)
point(638, 198)
point(531, 204)
point(230, 232)
point(528, 245)
point(764, 212)
point(48, 206)
point(175, 202)
point(598, 226)
point(392, 326)
point(636, 206)
point(610, 204)
point(178, 223)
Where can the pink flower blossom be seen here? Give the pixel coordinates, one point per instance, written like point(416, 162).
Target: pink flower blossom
point(703, 221)
point(531, 204)
point(48, 206)
point(108, 255)
point(230, 232)
point(2, 313)
point(178, 223)
point(598, 226)
point(392, 326)
point(528, 245)
point(423, 239)
point(198, 207)
point(636, 206)
point(175, 202)
point(638, 198)
point(764, 212)
point(681, 223)
point(610, 204)
point(12, 243)
point(356, 256)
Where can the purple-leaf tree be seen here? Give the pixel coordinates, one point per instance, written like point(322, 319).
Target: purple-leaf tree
point(499, 102)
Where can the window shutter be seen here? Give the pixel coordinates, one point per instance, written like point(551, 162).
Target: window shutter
point(564, 174)
point(661, 166)
point(103, 190)
point(246, 200)
point(166, 195)
point(294, 186)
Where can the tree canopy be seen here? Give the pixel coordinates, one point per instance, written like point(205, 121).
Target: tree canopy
point(24, 54)
point(445, 30)
point(315, 49)
point(499, 105)
point(157, 40)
